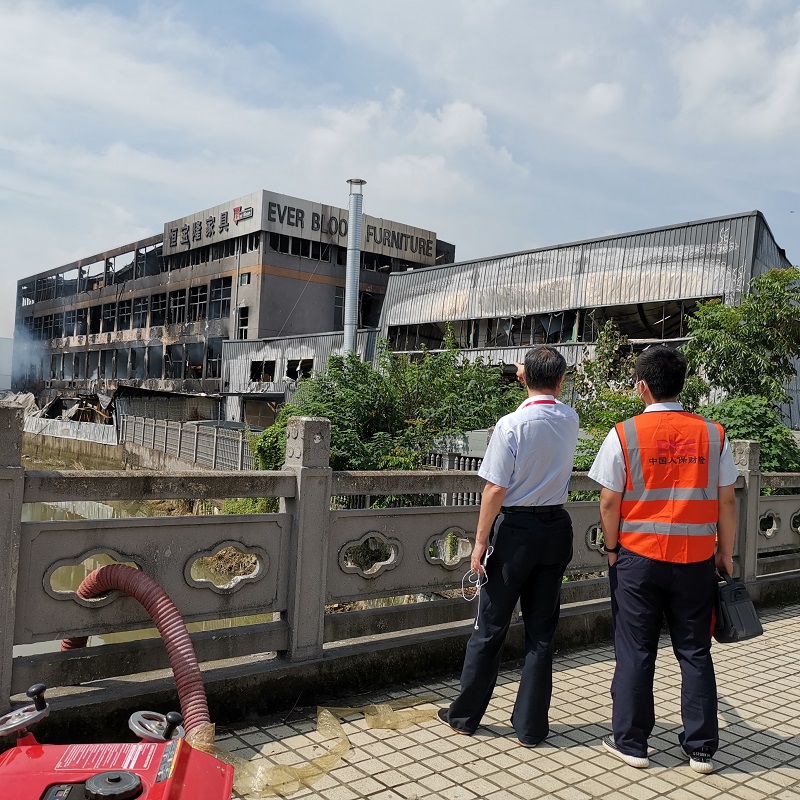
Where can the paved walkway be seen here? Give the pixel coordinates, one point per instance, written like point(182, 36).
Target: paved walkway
point(759, 685)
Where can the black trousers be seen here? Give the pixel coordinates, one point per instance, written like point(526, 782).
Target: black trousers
point(643, 592)
point(532, 549)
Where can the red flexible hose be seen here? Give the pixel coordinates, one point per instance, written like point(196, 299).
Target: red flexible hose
point(169, 622)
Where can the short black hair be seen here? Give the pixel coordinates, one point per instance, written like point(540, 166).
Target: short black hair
point(544, 367)
point(664, 371)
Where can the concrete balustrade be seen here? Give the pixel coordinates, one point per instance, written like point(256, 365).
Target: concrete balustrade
point(302, 550)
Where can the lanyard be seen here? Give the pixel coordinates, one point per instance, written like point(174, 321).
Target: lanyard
point(539, 403)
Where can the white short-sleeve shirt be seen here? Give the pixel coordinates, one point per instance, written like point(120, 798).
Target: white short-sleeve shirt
point(531, 452)
point(609, 468)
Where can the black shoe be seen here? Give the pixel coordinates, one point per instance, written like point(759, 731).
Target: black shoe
point(442, 714)
point(700, 760)
point(530, 743)
point(640, 762)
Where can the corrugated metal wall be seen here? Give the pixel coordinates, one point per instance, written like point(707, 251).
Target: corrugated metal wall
point(237, 357)
point(702, 259)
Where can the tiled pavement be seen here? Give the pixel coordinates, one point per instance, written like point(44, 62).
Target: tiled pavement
point(759, 687)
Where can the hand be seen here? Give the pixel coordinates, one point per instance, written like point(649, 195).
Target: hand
point(612, 559)
point(477, 556)
point(724, 563)
point(520, 372)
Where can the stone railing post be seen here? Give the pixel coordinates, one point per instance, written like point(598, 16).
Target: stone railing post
point(11, 488)
point(747, 456)
point(308, 448)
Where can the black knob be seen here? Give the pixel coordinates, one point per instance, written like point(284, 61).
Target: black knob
point(174, 719)
point(36, 693)
point(116, 785)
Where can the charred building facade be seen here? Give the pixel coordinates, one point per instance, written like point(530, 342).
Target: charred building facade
point(648, 282)
point(153, 314)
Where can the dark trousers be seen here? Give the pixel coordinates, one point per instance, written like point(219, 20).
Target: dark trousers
point(532, 549)
point(643, 592)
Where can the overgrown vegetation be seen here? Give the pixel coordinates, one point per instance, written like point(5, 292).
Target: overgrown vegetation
point(388, 415)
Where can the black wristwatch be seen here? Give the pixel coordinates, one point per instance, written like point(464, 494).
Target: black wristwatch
point(614, 549)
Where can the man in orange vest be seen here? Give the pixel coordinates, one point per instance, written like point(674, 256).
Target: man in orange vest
point(668, 514)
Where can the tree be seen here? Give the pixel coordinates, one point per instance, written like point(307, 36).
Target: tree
point(750, 349)
point(604, 389)
point(387, 416)
point(754, 418)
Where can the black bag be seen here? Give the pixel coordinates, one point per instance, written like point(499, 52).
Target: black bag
point(736, 615)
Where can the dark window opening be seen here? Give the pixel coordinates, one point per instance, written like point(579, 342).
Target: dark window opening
point(58, 326)
point(299, 368)
point(251, 242)
point(109, 318)
point(155, 361)
point(122, 364)
point(320, 251)
point(262, 371)
point(81, 321)
point(69, 323)
point(95, 319)
point(300, 247)
point(124, 313)
point(194, 360)
point(214, 358)
point(341, 256)
point(158, 309)
point(104, 364)
point(279, 242)
point(137, 363)
point(220, 306)
point(176, 313)
point(198, 301)
point(140, 305)
point(224, 249)
point(93, 365)
point(244, 279)
point(174, 361)
point(242, 321)
point(376, 262)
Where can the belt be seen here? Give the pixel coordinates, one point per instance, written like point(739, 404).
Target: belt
point(529, 509)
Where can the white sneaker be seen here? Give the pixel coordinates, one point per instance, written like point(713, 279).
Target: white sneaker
point(639, 762)
point(700, 761)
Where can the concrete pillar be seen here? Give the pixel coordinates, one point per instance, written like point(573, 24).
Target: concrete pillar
point(747, 456)
point(308, 448)
point(11, 488)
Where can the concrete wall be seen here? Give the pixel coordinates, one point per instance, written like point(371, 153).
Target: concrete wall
point(310, 558)
point(49, 448)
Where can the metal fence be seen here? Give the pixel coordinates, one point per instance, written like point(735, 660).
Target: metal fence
point(69, 429)
point(208, 445)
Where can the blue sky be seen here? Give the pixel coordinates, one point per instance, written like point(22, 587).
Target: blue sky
point(501, 124)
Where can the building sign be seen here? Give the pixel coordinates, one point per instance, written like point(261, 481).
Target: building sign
point(277, 213)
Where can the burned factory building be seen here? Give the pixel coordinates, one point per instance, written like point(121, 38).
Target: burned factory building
point(152, 315)
point(649, 282)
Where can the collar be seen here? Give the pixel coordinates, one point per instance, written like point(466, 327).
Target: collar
point(534, 397)
point(664, 407)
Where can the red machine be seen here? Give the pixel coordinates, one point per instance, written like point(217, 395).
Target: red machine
point(162, 766)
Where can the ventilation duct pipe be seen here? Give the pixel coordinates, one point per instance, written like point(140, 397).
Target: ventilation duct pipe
point(353, 264)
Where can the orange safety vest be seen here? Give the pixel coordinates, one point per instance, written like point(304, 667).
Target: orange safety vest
point(670, 505)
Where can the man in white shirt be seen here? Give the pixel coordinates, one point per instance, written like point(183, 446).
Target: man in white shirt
point(523, 543)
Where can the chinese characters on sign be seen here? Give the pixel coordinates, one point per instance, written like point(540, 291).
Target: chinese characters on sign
point(211, 227)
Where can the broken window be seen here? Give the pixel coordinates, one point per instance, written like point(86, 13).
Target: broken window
point(220, 306)
point(320, 251)
point(198, 301)
point(224, 249)
point(109, 317)
point(55, 366)
point(137, 363)
point(194, 360)
point(262, 371)
point(58, 325)
point(299, 368)
point(69, 366)
point(242, 320)
point(155, 361)
point(81, 321)
point(279, 242)
point(176, 314)
point(37, 327)
point(174, 361)
point(300, 247)
point(69, 323)
point(158, 309)
point(251, 242)
point(47, 327)
point(122, 365)
point(95, 319)
point(124, 312)
point(214, 358)
point(104, 364)
point(93, 365)
point(140, 305)
point(80, 366)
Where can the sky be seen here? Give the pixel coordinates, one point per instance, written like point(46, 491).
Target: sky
point(501, 125)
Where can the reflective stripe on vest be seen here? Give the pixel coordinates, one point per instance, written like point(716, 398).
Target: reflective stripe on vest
point(671, 523)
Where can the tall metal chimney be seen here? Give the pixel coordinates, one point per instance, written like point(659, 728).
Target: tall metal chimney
point(353, 264)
